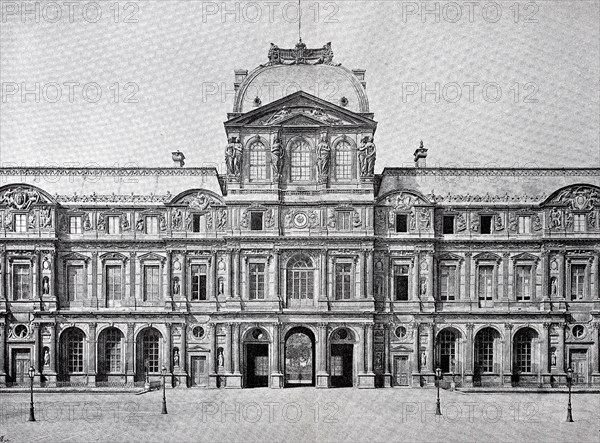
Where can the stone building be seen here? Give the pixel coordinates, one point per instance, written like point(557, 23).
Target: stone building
point(299, 266)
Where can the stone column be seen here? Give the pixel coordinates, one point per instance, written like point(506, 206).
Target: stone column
point(561, 275)
point(369, 293)
point(415, 278)
point(2, 349)
point(430, 347)
point(52, 328)
point(235, 380)
point(595, 370)
point(36, 349)
point(366, 377)
point(505, 273)
point(387, 376)
point(468, 367)
point(183, 349)
point(544, 350)
point(544, 270)
point(360, 355)
point(430, 270)
point(507, 355)
point(362, 275)
point(236, 274)
point(468, 276)
point(560, 350)
point(276, 376)
point(3, 296)
point(94, 298)
point(322, 374)
point(324, 278)
point(168, 282)
point(91, 366)
point(416, 361)
point(129, 355)
point(276, 277)
point(369, 347)
point(168, 352)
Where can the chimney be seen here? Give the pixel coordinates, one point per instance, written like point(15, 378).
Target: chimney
point(178, 158)
point(360, 74)
point(420, 156)
point(240, 76)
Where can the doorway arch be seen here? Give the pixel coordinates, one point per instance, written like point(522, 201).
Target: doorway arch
point(299, 361)
point(256, 358)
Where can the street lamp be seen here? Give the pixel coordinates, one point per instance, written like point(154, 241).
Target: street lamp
point(569, 382)
point(164, 404)
point(31, 375)
point(438, 375)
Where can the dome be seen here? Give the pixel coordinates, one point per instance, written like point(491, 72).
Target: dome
point(278, 79)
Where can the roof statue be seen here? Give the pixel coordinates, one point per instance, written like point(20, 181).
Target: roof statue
point(300, 55)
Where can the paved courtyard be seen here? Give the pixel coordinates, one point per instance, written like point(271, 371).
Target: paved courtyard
point(300, 414)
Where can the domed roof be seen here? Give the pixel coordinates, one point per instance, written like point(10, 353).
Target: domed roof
point(290, 70)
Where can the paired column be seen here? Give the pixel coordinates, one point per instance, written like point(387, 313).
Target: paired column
point(416, 363)
point(560, 349)
point(52, 328)
point(2, 350)
point(369, 293)
point(430, 346)
point(168, 351)
point(595, 327)
point(236, 348)
point(506, 351)
point(36, 348)
point(369, 347)
point(91, 369)
point(228, 348)
point(129, 357)
point(468, 370)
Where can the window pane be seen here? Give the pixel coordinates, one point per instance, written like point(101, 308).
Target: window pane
point(343, 161)
point(343, 281)
point(75, 225)
point(258, 162)
point(111, 347)
point(20, 222)
point(301, 161)
point(114, 226)
point(74, 350)
point(150, 349)
point(21, 282)
point(113, 283)
point(198, 282)
point(151, 283)
point(447, 282)
point(447, 351)
point(577, 282)
point(257, 281)
point(75, 283)
point(523, 282)
point(485, 285)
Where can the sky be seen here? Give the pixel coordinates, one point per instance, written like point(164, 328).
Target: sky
point(110, 83)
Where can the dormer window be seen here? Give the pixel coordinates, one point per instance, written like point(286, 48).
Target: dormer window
point(486, 224)
point(401, 223)
point(20, 222)
point(196, 222)
point(256, 221)
point(448, 224)
point(152, 224)
point(301, 162)
point(343, 161)
point(75, 224)
point(258, 162)
point(113, 224)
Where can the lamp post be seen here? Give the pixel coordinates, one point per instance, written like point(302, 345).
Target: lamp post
point(569, 382)
point(438, 375)
point(31, 375)
point(164, 403)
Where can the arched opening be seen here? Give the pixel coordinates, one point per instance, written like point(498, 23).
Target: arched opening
point(523, 355)
point(300, 281)
point(299, 357)
point(447, 350)
point(110, 354)
point(256, 348)
point(72, 345)
point(148, 354)
point(342, 357)
point(487, 356)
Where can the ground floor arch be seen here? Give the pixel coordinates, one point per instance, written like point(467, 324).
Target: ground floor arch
point(299, 358)
point(256, 358)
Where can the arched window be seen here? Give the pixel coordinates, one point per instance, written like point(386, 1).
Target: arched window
point(343, 161)
point(484, 344)
point(150, 350)
point(300, 280)
point(110, 351)
point(523, 349)
point(258, 161)
point(447, 350)
point(301, 162)
point(73, 341)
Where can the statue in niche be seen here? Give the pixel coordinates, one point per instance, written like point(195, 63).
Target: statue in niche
point(46, 357)
point(221, 286)
point(277, 156)
point(45, 286)
point(46, 218)
point(220, 358)
point(324, 160)
point(176, 285)
point(553, 286)
point(555, 219)
point(177, 219)
point(366, 156)
point(423, 359)
point(176, 357)
point(423, 287)
point(553, 358)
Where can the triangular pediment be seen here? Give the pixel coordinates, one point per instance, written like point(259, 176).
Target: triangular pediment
point(75, 256)
point(487, 256)
point(301, 109)
point(449, 256)
point(152, 256)
point(525, 256)
point(401, 348)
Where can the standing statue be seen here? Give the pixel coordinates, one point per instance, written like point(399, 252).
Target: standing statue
point(323, 162)
point(366, 156)
point(277, 157)
point(237, 156)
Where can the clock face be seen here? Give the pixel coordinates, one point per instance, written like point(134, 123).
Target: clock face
point(300, 220)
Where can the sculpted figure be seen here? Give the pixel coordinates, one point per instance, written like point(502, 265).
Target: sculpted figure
point(324, 159)
point(229, 156)
point(237, 156)
point(277, 157)
point(366, 156)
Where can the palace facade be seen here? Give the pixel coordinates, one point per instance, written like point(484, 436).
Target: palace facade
point(299, 266)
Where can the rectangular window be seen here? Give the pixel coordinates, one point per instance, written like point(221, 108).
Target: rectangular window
point(524, 224)
point(114, 225)
point(21, 282)
point(74, 352)
point(448, 283)
point(343, 165)
point(337, 366)
point(577, 282)
point(486, 224)
point(20, 222)
point(151, 283)
point(113, 283)
point(199, 282)
point(75, 283)
point(448, 224)
point(75, 225)
point(343, 221)
point(152, 225)
point(343, 281)
point(579, 223)
point(485, 286)
point(523, 283)
point(196, 222)
point(401, 223)
point(300, 284)
point(301, 165)
point(257, 281)
point(401, 282)
point(256, 221)
point(258, 164)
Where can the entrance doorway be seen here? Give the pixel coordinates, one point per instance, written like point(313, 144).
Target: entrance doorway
point(299, 357)
point(341, 365)
point(579, 364)
point(21, 361)
point(199, 371)
point(401, 370)
point(257, 365)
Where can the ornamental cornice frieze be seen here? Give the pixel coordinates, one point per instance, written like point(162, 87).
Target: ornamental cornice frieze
point(107, 172)
point(113, 198)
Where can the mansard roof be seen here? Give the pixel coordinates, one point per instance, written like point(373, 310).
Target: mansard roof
point(478, 186)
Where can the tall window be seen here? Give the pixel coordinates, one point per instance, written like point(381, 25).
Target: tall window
point(579, 223)
point(110, 348)
point(448, 224)
point(150, 350)
point(73, 342)
point(523, 283)
point(113, 283)
point(447, 350)
point(524, 224)
point(113, 224)
point(152, 224)
point(258, 161)
point(300, 160)
point(343, 281)
point(401, 282)
point(485, 349)
point(486, 224)
point(257, 281)
point(198, 282)
point(577, 282)
point(21, 282)
point(75, 225)
point(256, 221)
point(447, 283)
point(343, 220)
point(300, 279)
point(151, 283)
point(485, 286)
point(75, 282)
point(401, 223)
point(20, 222)
point(343, 161)
point(523, 341)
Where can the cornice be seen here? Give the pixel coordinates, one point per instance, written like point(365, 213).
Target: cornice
point(508, 172)
point(109, 172)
